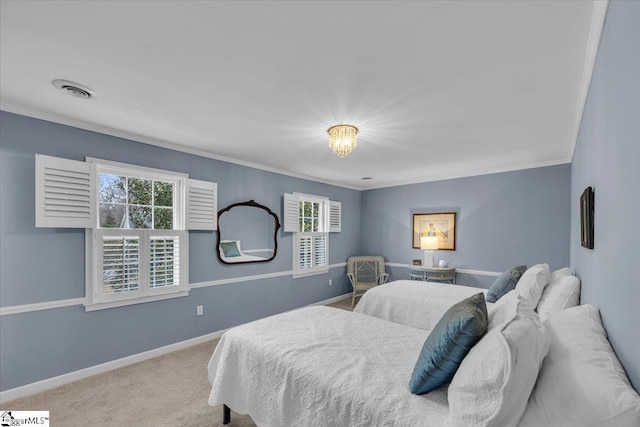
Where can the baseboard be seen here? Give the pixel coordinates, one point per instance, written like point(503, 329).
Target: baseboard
point(49, 383)
point(330, 300)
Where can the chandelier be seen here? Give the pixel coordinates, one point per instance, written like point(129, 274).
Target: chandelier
point(342, 139)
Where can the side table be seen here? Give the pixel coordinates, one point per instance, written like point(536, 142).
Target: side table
point(433, 274)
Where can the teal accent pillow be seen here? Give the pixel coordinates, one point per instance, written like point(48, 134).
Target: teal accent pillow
point(505, 283)
point(230, 249)
point(456, 332)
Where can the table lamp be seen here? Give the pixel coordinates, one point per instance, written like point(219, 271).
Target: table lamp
point(429, 244)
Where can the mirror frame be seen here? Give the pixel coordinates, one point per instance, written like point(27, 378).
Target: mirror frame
point(251, 203)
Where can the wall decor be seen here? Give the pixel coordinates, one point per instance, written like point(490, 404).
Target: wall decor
point(442, 225)
point(247, 232)
point(586, 218)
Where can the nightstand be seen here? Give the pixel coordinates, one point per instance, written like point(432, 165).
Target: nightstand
point(432, 274)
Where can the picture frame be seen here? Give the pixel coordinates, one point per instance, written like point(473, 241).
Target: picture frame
point(441, 224)
point(586, 218)
point(417, 262)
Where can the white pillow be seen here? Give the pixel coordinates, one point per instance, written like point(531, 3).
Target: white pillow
point(504, 310)
point(562, 272)
point(581, 381)
point(532, 283)
point(561, 292)
point(493, 383)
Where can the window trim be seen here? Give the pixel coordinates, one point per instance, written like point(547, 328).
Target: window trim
point(96, 300)
point(323, 214)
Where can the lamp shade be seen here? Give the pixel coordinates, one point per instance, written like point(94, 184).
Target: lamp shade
point(429, 243)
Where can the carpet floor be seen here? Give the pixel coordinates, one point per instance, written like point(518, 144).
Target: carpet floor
point(169, 390)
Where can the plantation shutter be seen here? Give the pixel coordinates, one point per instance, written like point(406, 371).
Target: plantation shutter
point(164, 261)
point(63, 193)
point(305, 253)
point(320, 251)
point(335, 216)
point(291, 213)
point(120, 264)
point(202, 205)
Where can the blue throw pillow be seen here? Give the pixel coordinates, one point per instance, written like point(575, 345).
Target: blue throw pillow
point(451, 339)
point(505, 283)
point(230, 249)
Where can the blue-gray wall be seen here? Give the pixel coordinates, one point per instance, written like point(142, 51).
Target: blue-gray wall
point(607, 158)
point(503, 220)
point(47, 264)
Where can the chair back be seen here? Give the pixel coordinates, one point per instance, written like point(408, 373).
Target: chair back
point(365, 270)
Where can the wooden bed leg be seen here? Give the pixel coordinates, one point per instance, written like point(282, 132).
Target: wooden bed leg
point(226, 414)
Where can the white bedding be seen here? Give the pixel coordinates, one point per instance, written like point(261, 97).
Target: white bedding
point(321, 366)
point(243, 258)
point(414, 303)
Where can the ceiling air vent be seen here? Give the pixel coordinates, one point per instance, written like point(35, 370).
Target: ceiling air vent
point(74, 89)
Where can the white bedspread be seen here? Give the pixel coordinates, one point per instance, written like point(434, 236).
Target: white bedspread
point(322, 366)
point(414, 303)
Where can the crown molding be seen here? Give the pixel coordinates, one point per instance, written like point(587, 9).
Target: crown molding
point(51, 117)
point(476, 172)
point(598, 18)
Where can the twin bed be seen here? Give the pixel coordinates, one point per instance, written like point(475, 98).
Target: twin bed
point(321, 366)
point(414, 303)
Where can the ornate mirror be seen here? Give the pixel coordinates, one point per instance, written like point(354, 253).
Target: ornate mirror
point(247, 232)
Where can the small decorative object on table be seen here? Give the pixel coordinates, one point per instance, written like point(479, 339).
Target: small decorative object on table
point(443, 264)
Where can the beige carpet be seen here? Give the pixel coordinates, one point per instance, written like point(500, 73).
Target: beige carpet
point(170, 390)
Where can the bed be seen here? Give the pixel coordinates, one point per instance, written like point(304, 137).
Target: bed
point(422, 304)
point(231, 253)
point(322, 366)
point(413, 303)
point(543, 360)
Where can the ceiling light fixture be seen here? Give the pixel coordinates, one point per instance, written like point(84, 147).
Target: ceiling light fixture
point(74, 89)
point(342, 139)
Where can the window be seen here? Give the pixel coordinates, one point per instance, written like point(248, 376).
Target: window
point(136, 222)
point(310, 218)
point(139, 243)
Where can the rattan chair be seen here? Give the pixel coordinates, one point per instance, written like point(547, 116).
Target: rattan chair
point(365, 272)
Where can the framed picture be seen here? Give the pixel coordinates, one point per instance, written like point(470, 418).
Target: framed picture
point(442, 225)
point(586, 218)
point(417, 262)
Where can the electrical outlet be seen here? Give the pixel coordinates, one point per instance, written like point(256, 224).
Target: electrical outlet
point(330, 282)
point(199, 310)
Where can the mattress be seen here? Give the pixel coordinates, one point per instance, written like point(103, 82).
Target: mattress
point(414, 303)
point(322, 366)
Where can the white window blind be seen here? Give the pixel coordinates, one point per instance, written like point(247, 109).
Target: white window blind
point(320, 250)
point(310, 218)
point(305, 252)
point(335, 216)
point(164, 259)
point(202, 209)
point(120, 264)
point(63, 193)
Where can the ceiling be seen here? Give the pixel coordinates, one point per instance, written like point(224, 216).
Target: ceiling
point(437, 89)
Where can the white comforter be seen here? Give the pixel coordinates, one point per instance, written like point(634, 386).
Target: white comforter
point(414, 303)
point(321, 366)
